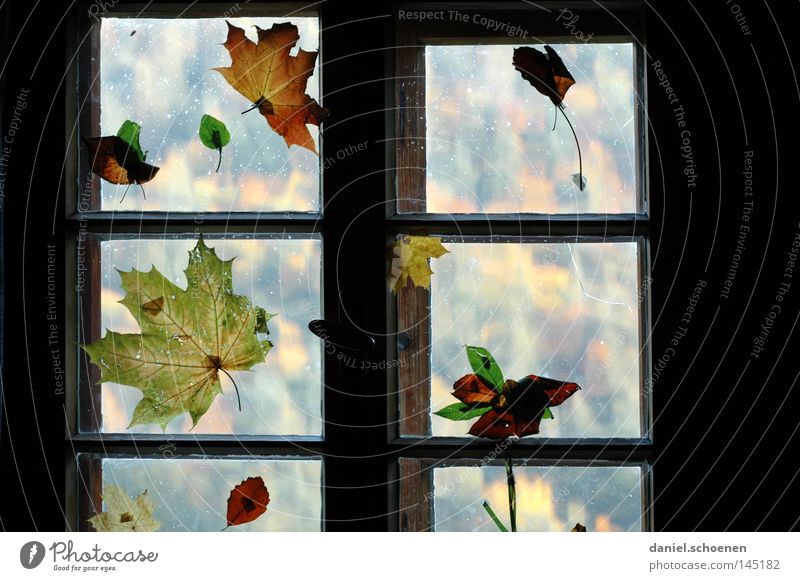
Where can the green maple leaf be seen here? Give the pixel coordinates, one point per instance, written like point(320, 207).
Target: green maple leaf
point(187, 338)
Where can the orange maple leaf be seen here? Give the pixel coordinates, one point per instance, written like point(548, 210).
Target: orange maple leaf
point(274, 81)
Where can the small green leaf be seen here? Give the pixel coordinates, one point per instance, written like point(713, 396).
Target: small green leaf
point(262, 318)
point(485, 367)
point(214, 134)
point(461, 411)
point(129, 132)
point(547, 415)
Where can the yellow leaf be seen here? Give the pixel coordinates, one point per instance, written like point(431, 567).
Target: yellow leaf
point(124, 514)
point(410, 256)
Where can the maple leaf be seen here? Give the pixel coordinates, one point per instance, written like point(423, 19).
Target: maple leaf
point(273, 81)
point(247, 501)
point(119, 158)
point(410, 256)
point(125, 514)
point(188, 336)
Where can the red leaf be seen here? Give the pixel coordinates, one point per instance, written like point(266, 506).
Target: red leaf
point(557, 391)
point(247, 501)
point(517, 409)
point(546, 72)
point(502, 425)
point(471, 389)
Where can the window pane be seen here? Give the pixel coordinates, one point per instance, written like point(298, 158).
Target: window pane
point(490, 141)
point(549, 498)
point(565, 311)
point(192, 494)
point(281, 395)
point(158, 73)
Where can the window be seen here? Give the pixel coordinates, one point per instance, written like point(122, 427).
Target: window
point(552, 278)
point(683, 223)
point(256, 202)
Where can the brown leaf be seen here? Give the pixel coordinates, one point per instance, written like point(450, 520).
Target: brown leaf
point(274, 81)
point(247, 501)
point(472, 390)
point(116, 162)
point(545, 71)
point(578, 528)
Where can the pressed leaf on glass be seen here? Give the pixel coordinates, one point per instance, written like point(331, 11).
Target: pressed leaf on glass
point(247, 501)
point(549, 75)
point(512, 410)
point(409, 261)
point(214, 135)
point(119, 158)
point(125, 514)
point(188, 337)
point(274, 81)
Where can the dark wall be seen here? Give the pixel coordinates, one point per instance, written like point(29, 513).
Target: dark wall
point(724, 403)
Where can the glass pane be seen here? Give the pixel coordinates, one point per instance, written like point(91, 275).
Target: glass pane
point(158, 73)
point(491, 146)
point(564, 311)
point(281, 395)
point(549, 498)
point(192, 494)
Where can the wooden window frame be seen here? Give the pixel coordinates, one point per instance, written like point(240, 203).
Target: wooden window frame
point(407, 215)
point(86, 225)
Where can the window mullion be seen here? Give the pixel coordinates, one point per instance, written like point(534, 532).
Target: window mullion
point(355, 410)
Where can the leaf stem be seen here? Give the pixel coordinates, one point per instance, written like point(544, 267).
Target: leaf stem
point(239, 399)
point(578, 145)
point(496, 520)
point(125, 193)
point(512, 495)
point(219, 163)
point(256, 105)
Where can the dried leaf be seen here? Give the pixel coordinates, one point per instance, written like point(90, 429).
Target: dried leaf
point(545, 71)
point(187, 338)
point(549, 75)
point(115, 161)
point(247, 501)
point(410, 256)
point(578, 528)
point(513, 411)
point(273, 81)
point(125, 514)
